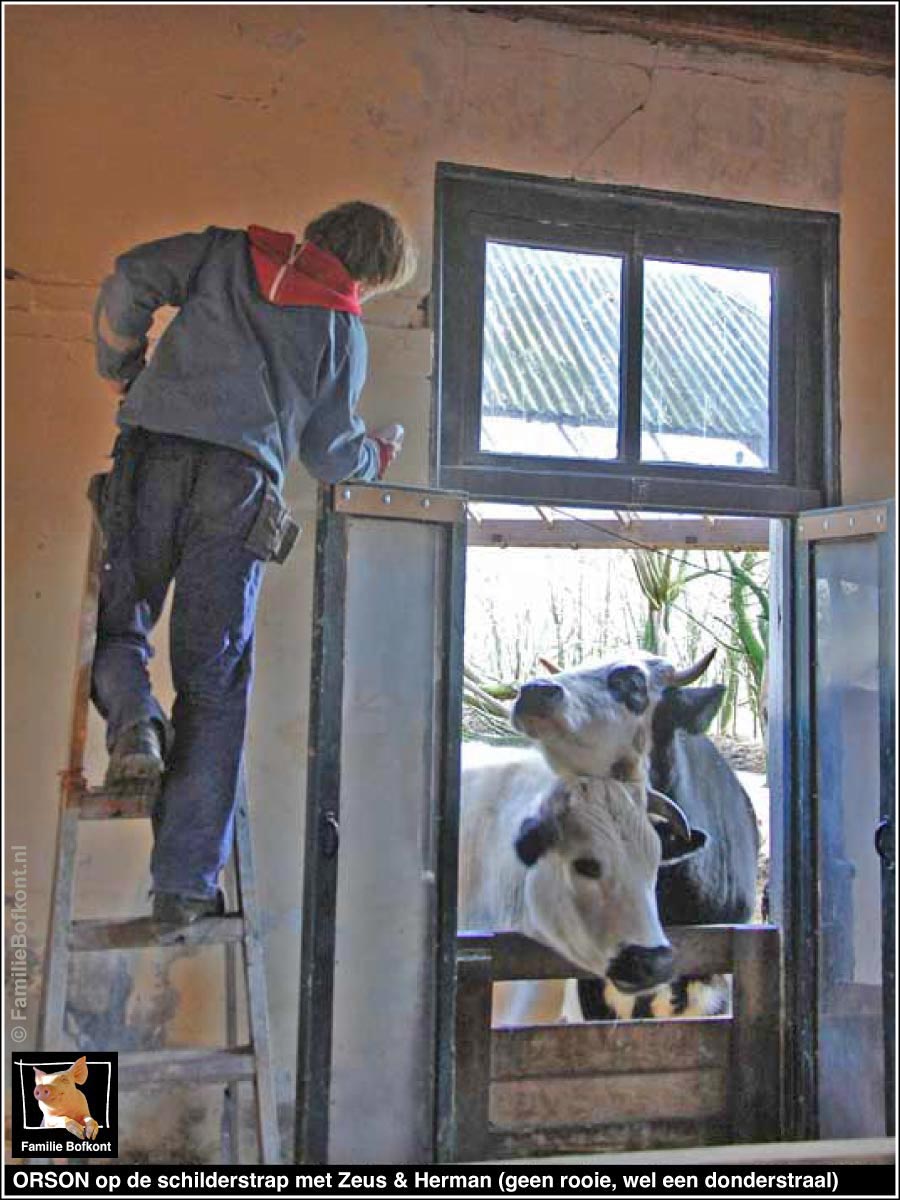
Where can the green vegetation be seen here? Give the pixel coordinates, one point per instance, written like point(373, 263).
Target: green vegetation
point(572, 606)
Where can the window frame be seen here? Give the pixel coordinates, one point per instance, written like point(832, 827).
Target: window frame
point(476, 205)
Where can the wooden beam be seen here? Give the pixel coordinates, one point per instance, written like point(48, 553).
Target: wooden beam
point(756, 1042)
point(851, 37)
point(599, 1099)
point(193, 1065)
point(591, 1141)
point(143, 932)
point(701, 1152)
point(699, 950)
point(128, 801)
point(473, 1055)
point(598, 1047)
point(720, 533)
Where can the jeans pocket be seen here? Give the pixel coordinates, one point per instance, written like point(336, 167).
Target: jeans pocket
point(273, 533)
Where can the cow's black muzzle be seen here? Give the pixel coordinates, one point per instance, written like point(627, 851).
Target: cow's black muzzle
point(636, 968)
point(538, 699)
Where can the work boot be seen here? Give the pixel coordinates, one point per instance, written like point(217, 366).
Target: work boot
point(137, 756)
point(175, 912)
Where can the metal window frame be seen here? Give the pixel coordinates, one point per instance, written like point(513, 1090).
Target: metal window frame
point(474, 205)
point(337, 506)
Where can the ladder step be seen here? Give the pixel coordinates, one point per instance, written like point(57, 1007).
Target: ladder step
point(146, 1068)
point(100, 804)
point(141, 932)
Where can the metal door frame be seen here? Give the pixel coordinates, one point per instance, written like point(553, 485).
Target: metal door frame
point(337, 507)
point(794, 844)
point(792, 765)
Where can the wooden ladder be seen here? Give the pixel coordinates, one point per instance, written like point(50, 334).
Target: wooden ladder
point(238, 929)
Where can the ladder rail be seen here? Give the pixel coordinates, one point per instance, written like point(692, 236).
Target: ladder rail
point(51, 1013)
point(230, 1136)
point(255, 973)
point(87, 641)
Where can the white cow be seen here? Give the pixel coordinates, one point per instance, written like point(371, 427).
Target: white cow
point(571, 863)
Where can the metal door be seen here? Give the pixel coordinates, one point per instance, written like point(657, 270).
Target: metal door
point(379, 896)
point(844, 821)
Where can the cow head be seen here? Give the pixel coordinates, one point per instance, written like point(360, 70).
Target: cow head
point(616, 720)
point(597, 721)
point(592, 860)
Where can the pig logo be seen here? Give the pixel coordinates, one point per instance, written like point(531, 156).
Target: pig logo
point(63, 1105)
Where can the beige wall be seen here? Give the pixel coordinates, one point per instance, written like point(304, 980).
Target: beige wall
point(868, 329)
point(128, 123)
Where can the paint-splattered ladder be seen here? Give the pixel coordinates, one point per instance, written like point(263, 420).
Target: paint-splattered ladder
point(239, 928)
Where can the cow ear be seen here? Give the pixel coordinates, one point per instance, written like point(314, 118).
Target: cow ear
point(692, 709)
point(675, 849)
point(536, 836)
point(79, 1070)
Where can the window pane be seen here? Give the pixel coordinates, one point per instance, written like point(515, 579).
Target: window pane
point(550, 371)
point(705, 382)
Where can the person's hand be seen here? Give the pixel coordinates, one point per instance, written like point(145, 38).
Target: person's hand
point(389, 439)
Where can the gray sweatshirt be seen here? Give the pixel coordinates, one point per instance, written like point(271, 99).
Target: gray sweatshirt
point(267, 377)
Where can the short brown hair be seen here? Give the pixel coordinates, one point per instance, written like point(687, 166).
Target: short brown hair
point(368, 240)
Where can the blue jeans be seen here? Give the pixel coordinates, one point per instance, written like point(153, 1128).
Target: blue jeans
point(192, 506)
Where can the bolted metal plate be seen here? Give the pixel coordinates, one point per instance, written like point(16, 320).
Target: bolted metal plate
point(841, 523)
point(401, 503)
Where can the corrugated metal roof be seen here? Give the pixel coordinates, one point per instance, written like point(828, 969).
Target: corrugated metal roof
point(551, 347)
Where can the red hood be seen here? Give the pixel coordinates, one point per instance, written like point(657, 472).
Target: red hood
point(313, 277)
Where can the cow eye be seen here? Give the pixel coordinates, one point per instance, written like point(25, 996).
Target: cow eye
point(588, 867)
point(629, 687)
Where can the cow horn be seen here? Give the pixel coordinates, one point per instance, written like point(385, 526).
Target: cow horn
point(662, 806)
point(550, 667)
point(689, 674)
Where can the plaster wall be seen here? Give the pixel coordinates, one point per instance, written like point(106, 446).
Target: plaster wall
point(126, 123)
point(868, 326)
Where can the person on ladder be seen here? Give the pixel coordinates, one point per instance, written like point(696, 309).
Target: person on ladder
point(264, 361)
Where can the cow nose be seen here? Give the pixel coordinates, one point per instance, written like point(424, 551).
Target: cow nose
point(537, 699)
point(636, 968)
